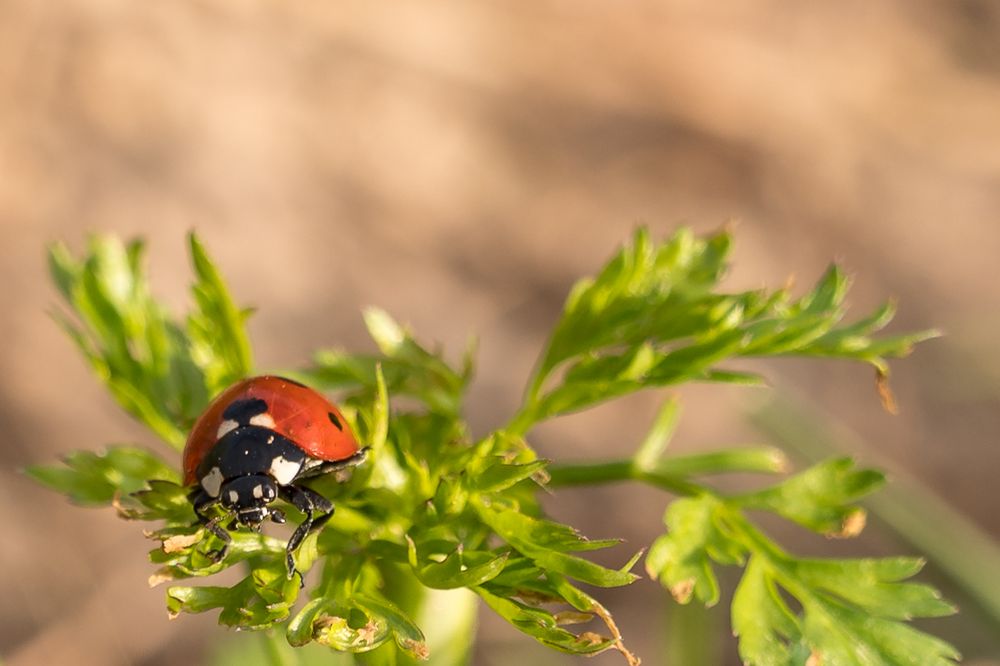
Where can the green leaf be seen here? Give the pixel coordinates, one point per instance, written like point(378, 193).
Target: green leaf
point(658, 438)
point(681, 559)
point(407, 635)
point(162, 500)
point(328, 623)
point(842, 637)
point(256, 602)
point(765, 459)
point(655, 316)
point(408, 368)
point(547, 544)
point(217, 326)
point(380, 411)
point(499, 476)
point(871, 584)
point(543, 626)
point(819, 498)
point(159, 371)
point(766, 629)
point(338, 625)
point(183, 553)
point(91, 478)
point(460, 568)
point(851, 610)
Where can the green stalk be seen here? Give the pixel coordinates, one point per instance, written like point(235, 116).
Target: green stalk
point(277, 650)
point(612, 471)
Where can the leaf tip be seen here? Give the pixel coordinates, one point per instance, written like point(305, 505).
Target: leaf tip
point(780, 462)
point(159, 577)
point(852, 525)
point(180, 542)
point(682, 591)
point(417, 649)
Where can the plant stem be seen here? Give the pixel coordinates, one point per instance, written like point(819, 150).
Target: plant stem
point(586, 474)
point(520, 423)
point(277, 650)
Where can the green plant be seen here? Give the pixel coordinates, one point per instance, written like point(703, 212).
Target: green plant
point(440, 514)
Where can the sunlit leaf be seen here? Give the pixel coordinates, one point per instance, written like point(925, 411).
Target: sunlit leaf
point(92, 478)
point(820, 497)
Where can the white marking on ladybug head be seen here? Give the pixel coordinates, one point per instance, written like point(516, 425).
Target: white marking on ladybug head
point(270, 439)
point(258, 491)
point(225, 428)
point(283, 470)
point(212, 482)
point(264, 420)
point(234, 496)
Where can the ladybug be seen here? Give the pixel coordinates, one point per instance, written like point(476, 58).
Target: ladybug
point(253, 444)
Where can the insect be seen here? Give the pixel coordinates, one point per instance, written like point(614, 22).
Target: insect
point(254, 444)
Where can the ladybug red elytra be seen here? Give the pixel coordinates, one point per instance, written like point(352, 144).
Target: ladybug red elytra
point(253, 444)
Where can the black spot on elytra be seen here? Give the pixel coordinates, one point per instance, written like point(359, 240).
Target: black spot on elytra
point(242, 411)
point(334, 420)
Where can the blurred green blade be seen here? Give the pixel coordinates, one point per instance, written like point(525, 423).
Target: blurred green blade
point(92, 478)
point(161, 372)
point(217, 325)
point(532, 538)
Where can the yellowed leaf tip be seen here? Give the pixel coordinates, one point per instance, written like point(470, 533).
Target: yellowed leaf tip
point(781, 462)
point(681, 592)
point(885, 392)
point(591, 638)
point(417, 648)
point(853, 524)
point(176, 544)
point(160, 576)
point(541, 477)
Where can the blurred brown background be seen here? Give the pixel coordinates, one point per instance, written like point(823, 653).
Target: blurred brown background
point(460, 165)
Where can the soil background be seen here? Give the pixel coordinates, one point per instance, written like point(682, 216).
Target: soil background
point(460, 165)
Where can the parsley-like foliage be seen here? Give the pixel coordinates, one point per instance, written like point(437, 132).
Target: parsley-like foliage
point(440, 514)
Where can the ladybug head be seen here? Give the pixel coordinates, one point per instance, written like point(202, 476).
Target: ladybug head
point(248, 497)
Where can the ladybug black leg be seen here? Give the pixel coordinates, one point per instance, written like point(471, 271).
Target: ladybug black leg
point(309, 502)
point(213, 526)
point(202, 501)
point(338, 467)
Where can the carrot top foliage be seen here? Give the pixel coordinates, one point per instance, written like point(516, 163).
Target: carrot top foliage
point(441, 513)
